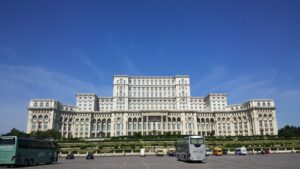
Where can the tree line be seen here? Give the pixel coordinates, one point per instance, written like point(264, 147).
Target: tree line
point(289, 131)
point(48, 134)
point(286, 131)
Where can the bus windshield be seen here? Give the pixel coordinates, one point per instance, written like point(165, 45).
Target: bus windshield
point(196, 140)
point(7, 141)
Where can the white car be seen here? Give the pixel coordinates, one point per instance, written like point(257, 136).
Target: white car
point(241, 151)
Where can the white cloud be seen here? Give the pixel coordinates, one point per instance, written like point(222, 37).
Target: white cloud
point(19, 84)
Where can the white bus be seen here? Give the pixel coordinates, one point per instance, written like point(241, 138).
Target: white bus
point(191, 148)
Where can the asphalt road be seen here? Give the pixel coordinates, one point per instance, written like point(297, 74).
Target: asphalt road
point(271, 161)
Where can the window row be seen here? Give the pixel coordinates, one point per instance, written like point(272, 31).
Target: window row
point(41, 104)
point(151, 81)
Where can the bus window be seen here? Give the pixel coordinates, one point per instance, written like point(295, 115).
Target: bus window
point(7, 141)
point(196, 141)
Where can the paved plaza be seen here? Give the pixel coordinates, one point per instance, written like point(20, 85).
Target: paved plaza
point(272, 161)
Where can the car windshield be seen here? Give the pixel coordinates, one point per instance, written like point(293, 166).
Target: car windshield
point(196, 141)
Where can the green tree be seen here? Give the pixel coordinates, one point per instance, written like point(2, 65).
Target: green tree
point(16, 132)
point(48, 134)
point(289, 131)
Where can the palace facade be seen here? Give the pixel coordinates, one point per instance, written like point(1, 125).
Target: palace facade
point(152, 105)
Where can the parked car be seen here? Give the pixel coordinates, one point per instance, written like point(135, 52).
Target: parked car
point(265, 151)
point(208, 152)
point(217, 151)
point(241, 151)
point(171, 153)
point(90, 156)
point(142, 152)
point(160, 152)
point(70, 157)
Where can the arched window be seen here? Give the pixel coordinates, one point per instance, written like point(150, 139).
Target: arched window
point(34, 117)
point(40, 118)
point(108, 125)
point(46, 118)
point(94, 125)
point(99, 128)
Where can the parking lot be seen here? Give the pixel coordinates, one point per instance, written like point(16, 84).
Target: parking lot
point(271, 161)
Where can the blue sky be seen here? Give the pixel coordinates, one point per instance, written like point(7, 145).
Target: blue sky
point(54, 49)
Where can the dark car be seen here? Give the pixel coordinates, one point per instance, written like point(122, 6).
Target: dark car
point(70, 156)
point(90, 156)
point(265, 151)
point(225, 152)
point(171, 153)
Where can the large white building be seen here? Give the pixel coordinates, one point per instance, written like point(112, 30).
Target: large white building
point(152, 105)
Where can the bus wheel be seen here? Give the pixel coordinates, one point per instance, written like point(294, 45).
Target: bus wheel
point(31, 162)
point(177, 158)
point(25, 163)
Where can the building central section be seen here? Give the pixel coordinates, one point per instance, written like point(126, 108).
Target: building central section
point(151, 93)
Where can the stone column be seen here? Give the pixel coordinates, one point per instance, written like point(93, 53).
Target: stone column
point(89, 129)
point(142, 124)
point(161, 125)
point(232, 133)
point(183, 123)
point(167, 124)
point(195, 129)
point(249, 125)
point(217, 127)
point(112, 124)
point(29, 120)
point(147, 124)
point(274, 121)
point(255, 123)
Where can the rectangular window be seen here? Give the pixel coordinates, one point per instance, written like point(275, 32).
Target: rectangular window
point(270, 123)
point(45, 126)
point(260, 123)
point(7, 141)
point(190, 126)
point(33, 127)
point(266, 123)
